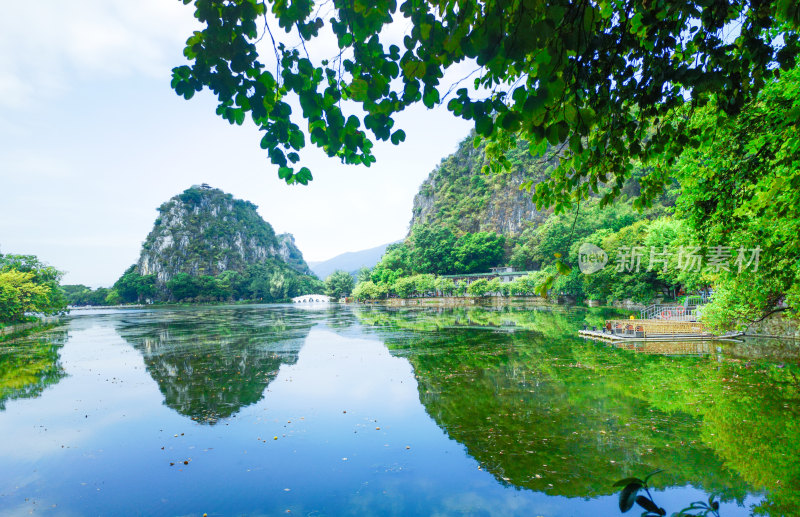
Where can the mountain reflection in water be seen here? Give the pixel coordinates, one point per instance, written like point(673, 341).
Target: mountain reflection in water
point(542, 409)
point(209, 365)
point(256, 410)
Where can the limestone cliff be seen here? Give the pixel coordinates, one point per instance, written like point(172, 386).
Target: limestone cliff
point(204, 231)
point(291, 254)
point(457, 195)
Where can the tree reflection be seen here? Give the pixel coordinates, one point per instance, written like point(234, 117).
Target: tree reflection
point(210, 364)
point(29, 365)
point(544, 410)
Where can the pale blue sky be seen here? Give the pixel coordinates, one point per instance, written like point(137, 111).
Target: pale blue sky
point(92, 140)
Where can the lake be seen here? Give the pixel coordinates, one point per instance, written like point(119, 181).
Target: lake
point(329, 410)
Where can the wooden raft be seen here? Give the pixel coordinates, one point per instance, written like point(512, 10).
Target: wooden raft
point(656, 328)
point(620, 330)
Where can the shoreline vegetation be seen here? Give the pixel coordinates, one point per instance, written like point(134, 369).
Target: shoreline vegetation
point(779, 325)
point(29, 292)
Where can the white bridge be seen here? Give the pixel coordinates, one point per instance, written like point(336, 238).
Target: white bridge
point(312, 298)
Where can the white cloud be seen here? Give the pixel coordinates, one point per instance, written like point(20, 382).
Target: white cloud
point(40, 48)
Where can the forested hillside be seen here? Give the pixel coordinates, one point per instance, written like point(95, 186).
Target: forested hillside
point(466, 220)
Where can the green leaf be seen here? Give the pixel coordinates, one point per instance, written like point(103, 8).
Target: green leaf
point(628, 481)
point(648, 504)
point(303, 176)
point(628, 496)
point(398, 136)
point(647, 477)
point(555, 90)
point(552, 134)
point(484, 125)
point(414, 69)
point(297, 140)
point(425, 30)
point(510, 121)
point(358, 89)
point(519, 95)
point(570, 114)
point(430, 98)
point(587, 116)
point(563, 268)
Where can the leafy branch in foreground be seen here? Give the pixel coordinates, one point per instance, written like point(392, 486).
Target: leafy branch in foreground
point(630, 495)
point(597, 80)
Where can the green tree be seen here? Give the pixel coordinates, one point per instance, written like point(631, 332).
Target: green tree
point(522, 256)
point(404, 287)
point(229, 284)
point(79, 295)
point(369, 290)
point(425, 284)
point(20, 294)
point(445, 285)
point(278, 286)
point(207, 288)
point(54, 301)
point(494, 286)
point(433, 250)
point(183, 286)
point(396, 262)
point(76, 294)
point(133, 287)
point(364, 274)
point(479, 287)
point(741, 192)
point(98, 296)
point(339, 284)
point(477, 252)
point(112, 298)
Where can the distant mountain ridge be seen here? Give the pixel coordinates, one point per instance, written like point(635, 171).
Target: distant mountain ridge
point(350, 262)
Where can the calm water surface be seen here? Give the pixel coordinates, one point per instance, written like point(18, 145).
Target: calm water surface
point(268, 410)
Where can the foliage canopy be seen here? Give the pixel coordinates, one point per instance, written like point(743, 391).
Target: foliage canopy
point(339, 284)
point(598, 79)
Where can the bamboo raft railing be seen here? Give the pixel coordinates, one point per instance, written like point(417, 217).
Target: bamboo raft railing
point(670, 313)
point(654, 328)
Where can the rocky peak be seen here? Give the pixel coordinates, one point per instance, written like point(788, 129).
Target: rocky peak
point(456, 194)
point(204, 231)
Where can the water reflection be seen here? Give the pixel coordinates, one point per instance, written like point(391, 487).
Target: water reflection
point(209, 364)
point(543, 410)
point(29, 365)
point(389, 412)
